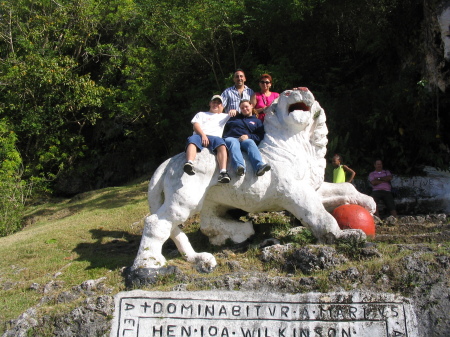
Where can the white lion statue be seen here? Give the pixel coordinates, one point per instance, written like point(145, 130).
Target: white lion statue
point(294, 145)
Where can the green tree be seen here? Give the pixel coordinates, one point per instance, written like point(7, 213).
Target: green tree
point(99, 92)
point(13, 191)
point(45, 95)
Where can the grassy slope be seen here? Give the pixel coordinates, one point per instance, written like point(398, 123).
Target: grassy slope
point(74, 240)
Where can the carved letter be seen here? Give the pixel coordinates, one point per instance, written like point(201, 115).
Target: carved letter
point(209, 310)
point(323, 313)
point(145, 306)
point(212, 331)
point(128, 320)
point(223, 310)
point(236, 310)
point(157, 307)
point(129, 306)
point(346, 333)
point(156, 331)
point(304, 333)
point(352, 311)
point(272, 311)
point(189, 308)
point(318, 331)
point(170, 329)
point(257, 309)
point(126, 330)
point(381, 311)
point(304, 314)
point(394, 310)
point(171, 308)
point(183, 331)
point(246, 333)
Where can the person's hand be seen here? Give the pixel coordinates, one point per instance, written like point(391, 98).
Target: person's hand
point(232, 113)
point(301, 88)
point(205, 141)
point(243, 137)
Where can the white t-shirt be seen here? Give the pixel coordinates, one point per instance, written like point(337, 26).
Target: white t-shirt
point(211, 123)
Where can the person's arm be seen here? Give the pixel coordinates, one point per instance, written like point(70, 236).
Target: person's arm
point(374, 181)
point(253, 99)
point(387, 178)
point(253, 102)
point(352, 173)
point(380, 180)
point(225, 103)
point(384, 179)
point(198, 130)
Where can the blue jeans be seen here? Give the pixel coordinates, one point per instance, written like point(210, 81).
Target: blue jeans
point(249, 146)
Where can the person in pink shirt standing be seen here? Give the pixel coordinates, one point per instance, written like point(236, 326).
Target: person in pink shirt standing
point(381, 187)
point(263, 99)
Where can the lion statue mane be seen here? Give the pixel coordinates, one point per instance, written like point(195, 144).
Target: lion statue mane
point(294, 145)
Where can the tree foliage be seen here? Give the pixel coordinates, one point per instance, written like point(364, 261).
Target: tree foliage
point(99, 92)
point(12, 188)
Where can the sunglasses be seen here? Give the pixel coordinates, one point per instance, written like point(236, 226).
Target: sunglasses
point(264, 82)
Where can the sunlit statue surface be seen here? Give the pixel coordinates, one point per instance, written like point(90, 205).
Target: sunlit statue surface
point(294, 145)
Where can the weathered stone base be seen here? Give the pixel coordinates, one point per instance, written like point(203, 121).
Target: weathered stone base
point(146, 276)
point(220, 313)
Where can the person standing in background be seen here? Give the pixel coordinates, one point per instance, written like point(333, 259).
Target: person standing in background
point(381, 187)
point(339, 173)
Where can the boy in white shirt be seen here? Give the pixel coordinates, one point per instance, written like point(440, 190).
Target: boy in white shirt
point(208, 129)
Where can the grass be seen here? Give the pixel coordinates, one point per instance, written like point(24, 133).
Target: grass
point(93, 235)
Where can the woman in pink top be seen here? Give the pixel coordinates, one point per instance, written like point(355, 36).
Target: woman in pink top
point(264, 98)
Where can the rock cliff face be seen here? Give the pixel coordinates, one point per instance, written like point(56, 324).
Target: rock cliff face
point(444, 25)
point(436, 43)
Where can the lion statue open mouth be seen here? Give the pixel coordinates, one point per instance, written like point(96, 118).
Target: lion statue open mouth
point(294, 145)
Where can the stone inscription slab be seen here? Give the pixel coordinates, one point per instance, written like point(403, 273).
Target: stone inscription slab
point(246, 314)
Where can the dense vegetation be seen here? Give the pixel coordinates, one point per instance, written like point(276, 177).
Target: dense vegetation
point(95, 92)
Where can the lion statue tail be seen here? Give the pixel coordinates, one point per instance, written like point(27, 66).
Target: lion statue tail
point(156, 187)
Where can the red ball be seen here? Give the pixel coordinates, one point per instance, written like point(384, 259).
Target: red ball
point(355, 217)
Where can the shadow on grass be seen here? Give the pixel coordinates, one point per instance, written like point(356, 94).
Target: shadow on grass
point(111, 250)
point(117, 249)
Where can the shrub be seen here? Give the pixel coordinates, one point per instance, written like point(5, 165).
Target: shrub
point(12, 188)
